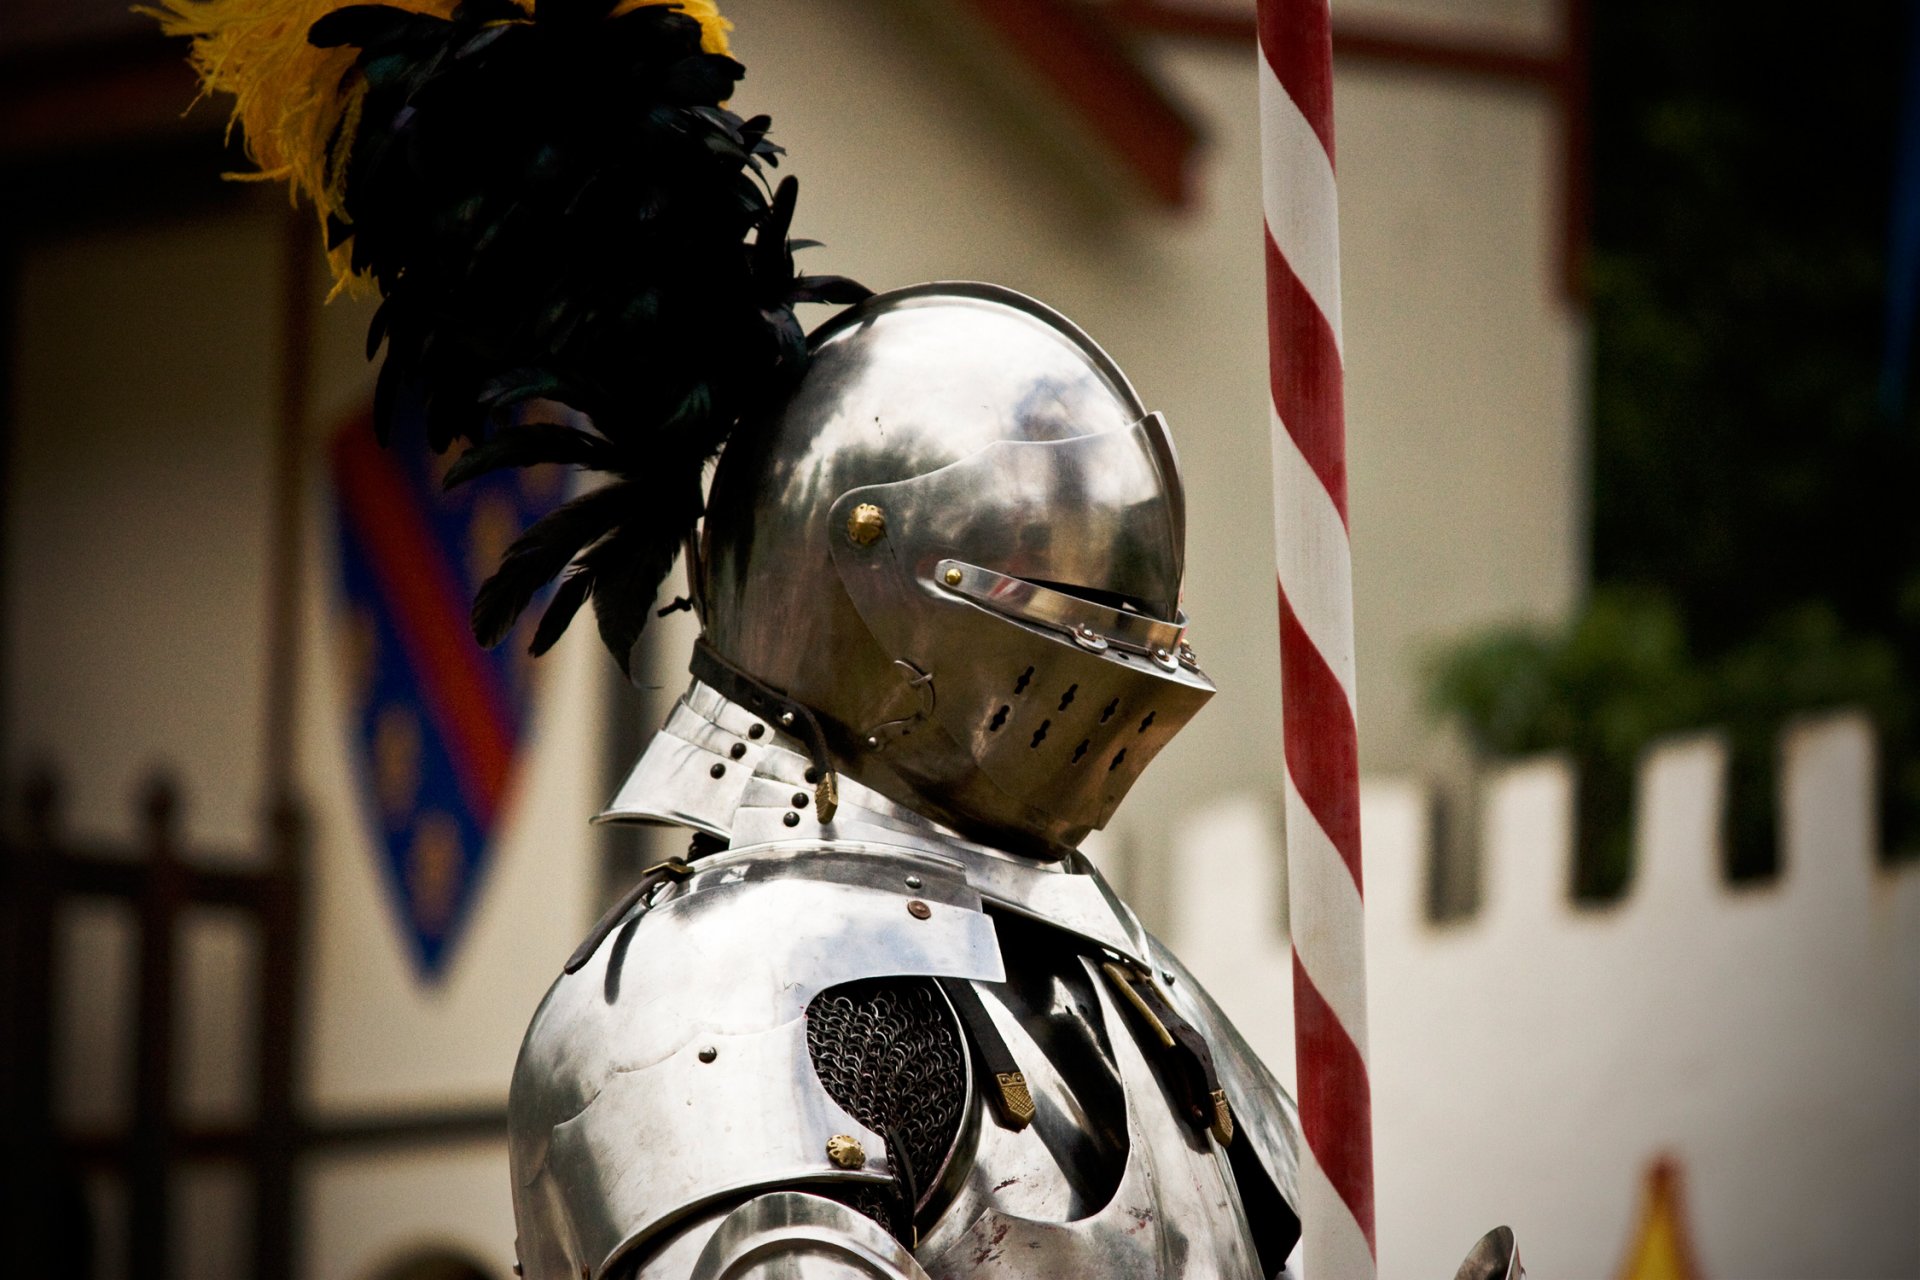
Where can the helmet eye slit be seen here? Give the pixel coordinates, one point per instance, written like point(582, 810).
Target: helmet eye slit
point(1146, 722)
point(1040, 734)
point(1026, 678)
point(1115, 762)
point(999, 718)
point(1066, 699)
point(1080, 751)
point(1111, 707)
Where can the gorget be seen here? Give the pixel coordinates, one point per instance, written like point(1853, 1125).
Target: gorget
point(718, 768)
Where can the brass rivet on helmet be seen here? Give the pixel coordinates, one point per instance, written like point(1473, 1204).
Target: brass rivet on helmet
point(866, 524)
point(954, 577)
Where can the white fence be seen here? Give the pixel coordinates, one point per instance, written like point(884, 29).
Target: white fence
point(1533, 1061)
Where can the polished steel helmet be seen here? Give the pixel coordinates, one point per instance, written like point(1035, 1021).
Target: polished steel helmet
point(960, 544)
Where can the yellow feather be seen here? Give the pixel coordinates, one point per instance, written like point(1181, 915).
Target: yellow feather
point(296, 106)
point(713, 27)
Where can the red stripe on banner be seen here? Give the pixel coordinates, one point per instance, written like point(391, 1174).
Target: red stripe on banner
point(1296, 38)
point(430, 612)
point(1306, 376)
point(1322, 742)
point(1336, 1099)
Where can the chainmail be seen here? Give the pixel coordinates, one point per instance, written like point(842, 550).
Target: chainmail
point(889, 1051)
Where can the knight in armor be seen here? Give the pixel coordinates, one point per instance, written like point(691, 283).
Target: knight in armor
point(882, 1018)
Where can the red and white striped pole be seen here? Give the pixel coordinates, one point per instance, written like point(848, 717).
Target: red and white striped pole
point(1316, 638)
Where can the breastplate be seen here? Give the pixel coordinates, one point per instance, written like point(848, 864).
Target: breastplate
point(1108, 1180)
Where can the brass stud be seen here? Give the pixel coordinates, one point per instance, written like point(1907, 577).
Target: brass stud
point(845, 1151)
point(954, 577)
point(918, 909)
point(866, 524)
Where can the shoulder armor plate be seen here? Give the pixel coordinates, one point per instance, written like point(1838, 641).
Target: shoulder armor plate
point(672, 1069)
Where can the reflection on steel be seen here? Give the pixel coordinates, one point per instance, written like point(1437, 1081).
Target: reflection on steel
point(1167, 1206)
point(618, 1125)
point(1495, 1257)
point(997, 439)
point(799, 1237)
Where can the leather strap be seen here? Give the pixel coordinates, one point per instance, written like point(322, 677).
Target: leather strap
point(1012, 1101)
point(1182, 1051)
point(650, 879)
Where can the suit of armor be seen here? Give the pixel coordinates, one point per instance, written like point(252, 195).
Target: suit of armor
point(884, 1020)
point(779, 1020)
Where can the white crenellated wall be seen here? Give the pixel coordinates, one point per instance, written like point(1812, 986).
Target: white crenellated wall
point(1530, 1062)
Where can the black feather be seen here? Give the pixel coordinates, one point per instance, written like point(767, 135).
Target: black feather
point(539, 555)
point(572, 592)
point(560, 207)
point(530, 445)
point(628, 569)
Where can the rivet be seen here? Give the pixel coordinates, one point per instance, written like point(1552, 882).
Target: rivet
point(708, 1053)
point(913, 882)
point(791, 819)
point(954, 577)
point(918, 909)
point(1089, 639)
point(865, 525)
point(718, 771)
point(786, 719)
point(799, 799)
point(812, 774)
point(757, 731)
point(873, 742)
point(737, 750)
point(845, 1151)
point(1166, 976)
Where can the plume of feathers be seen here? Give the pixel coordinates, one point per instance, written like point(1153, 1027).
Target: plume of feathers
point(556, 208)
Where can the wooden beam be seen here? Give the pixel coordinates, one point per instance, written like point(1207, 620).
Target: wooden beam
point(1075, 51)
point(1362, 40)
point(99, 94)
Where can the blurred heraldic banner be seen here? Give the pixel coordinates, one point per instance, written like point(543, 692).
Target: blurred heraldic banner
point(436, 721)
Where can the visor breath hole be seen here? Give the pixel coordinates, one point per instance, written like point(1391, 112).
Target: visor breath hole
point(999, 718)
point(1147, 721)
point(1079, 751)
point(1108, 713)
point(1040, 734)
point(1026, 678)
point(1115, 763)
point(1066, 699)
